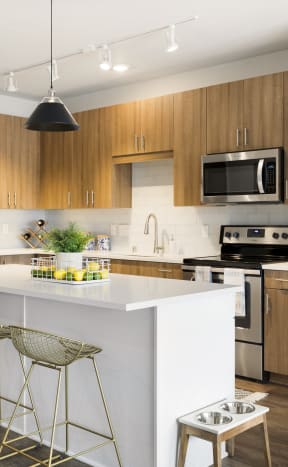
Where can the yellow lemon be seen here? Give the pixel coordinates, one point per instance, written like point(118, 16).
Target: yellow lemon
point(105, 274)
point(71, 269)
point(78, 275)
point(92, 266)
point(59, 274)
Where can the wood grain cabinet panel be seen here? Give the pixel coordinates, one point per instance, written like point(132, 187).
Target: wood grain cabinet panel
point(285, 131)
point(147, 268)
point(276, 322)
point(189, 145)
point(56, 183)
point(245, 114)
point(143, 127)
point(19, 164)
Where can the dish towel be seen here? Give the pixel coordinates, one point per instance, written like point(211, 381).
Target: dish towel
point(236, 277)
point(203, 274)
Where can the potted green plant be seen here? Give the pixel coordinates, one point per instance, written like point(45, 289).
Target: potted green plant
point(68, 245)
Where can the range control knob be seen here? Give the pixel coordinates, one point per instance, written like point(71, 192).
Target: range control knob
point(228, 234)
point(236, 235)
point(285, 235)
point(275, 235)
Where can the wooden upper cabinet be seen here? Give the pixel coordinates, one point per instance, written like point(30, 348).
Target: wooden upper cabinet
point(56, 184)
point(19, 164)
point(245, 114)
point(263, 112)
point(143, 126)
point(189, 144)
point(224, 117)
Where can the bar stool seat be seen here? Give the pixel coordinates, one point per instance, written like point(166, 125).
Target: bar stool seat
point(234, 423)
point(56, 353)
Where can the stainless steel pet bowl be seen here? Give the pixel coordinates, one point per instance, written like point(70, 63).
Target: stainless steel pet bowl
point(238, 407)
point(214, 418)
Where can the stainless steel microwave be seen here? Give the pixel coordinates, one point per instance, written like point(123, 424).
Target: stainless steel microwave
point(243, 177)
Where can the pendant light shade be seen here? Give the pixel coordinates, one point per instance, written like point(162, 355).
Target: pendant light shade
point(51, 114)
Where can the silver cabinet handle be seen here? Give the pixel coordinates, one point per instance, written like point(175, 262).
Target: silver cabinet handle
point(286, 189)
point(92, 198)
point(245, 136)
point(237, 137)
point(69, 199)
point(165, 270)
point(15, 199)
point(87, 198)
point(267, 304)
point(143, 143)
point(136, 143)
point(9, 199)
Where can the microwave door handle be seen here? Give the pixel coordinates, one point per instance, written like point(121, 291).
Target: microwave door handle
point(260, 176)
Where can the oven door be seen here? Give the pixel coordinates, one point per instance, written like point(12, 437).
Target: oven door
point(248, 327)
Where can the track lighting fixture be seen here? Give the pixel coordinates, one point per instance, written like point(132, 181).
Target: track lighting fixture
point(171, 39)
point(11, 85)
point(121, 67)
point(51, 114)
point(105, 58)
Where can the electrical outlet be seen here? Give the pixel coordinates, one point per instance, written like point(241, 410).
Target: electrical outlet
point(5, 228)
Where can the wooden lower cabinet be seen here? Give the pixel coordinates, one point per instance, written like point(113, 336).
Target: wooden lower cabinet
point(276, 322)
point(147, 268)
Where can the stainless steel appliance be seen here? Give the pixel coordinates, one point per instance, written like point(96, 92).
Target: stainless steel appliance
point(243, 177)
point(248, 248)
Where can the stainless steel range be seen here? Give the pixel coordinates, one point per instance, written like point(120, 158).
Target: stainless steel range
point(247, 248)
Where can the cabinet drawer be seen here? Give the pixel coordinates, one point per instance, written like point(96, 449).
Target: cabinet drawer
point(276, 279)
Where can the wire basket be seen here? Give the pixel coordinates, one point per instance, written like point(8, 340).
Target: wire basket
point(94, 270)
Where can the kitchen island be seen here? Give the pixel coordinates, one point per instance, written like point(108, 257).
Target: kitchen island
point(168, 349)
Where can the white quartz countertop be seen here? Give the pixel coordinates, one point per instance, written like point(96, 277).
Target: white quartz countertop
point(122, 292)
point(276, 266)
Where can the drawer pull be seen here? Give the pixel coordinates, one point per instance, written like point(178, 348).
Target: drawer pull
point(165, 270)
point(267, 307)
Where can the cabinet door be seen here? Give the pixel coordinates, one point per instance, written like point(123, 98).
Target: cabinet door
point(276, 331)
point(156, 124)
point(263, 112)
point(56, 170)
point(189, 144)
point(125, 129)
point(224, 117)
point(24, 150)
point(5, 165)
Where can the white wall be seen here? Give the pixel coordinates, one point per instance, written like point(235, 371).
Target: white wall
point(254, 66)
point(12, 105)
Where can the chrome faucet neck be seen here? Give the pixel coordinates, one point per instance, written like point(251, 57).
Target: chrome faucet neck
point(146, 230)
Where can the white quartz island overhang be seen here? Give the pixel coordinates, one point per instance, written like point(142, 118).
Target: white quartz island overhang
point(168, 349)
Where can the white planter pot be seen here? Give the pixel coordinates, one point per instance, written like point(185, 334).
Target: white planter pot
point(69, 260)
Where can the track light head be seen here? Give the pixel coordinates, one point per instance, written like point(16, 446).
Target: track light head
point(55, 74)
point(11, 85)
point(105, 58)
point(171, 39)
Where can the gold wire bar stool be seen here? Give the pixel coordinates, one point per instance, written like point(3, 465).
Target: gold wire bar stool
point(5, 333)
point(55, 353)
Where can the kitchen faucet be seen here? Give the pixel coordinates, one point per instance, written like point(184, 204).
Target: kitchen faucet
point(157, 248)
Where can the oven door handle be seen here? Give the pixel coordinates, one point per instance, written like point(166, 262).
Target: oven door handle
point(247, 272)
point(260, 169)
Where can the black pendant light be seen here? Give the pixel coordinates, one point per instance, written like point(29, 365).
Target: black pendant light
point(51, 114)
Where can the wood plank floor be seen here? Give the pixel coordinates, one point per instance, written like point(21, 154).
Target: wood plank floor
point(249, 447)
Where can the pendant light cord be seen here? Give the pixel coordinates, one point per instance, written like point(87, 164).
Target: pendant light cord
point(51, 44)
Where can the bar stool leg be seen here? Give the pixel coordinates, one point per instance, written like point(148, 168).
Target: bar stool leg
point(184, 439)
point(266, 439)
point(217, 453)
point(55, 416)
point(66, 411)
point(27, 378)
point(106, 410)
point(31, 400)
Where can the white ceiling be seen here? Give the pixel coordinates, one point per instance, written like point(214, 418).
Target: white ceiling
point(226, 30)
